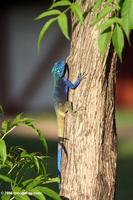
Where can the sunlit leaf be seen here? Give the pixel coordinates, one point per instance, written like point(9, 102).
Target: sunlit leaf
point(48, 13)
point(103, 41)
point(127, 17)
point(63, 24)
point(3, 153)
point(36, 193)
point(37, 181)
point(49, 192)
point(76, 9)
point(97, 4)
point(52, 180)
point(4, 126)
point(60, 3)
point(24, 183)
point(41, 138)
point(126, 27)
point(43, 31)
point(127, 12)
point(20, 120)
point(36, 163)
point(42, 168)
point(6, 197)
point(17, 194)
point(118, 40)
point(6, 179)
point(109, 22)
point(101, 15)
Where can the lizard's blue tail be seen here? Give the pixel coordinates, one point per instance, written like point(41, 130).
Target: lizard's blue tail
point(59, 159)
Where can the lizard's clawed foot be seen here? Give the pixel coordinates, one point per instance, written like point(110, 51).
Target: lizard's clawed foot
point(78, 109)
point(82, 76)
point(62, 139)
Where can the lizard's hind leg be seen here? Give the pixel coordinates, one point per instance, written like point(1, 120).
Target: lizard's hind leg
point(68, 107)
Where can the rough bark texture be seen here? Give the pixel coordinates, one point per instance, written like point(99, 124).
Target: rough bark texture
point(88, 170)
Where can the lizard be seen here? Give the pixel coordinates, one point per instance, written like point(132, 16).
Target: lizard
point(61, 103)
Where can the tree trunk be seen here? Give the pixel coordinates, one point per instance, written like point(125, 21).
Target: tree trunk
point(89, 168)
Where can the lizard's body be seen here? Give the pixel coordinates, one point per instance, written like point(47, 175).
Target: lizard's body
point(62, 105)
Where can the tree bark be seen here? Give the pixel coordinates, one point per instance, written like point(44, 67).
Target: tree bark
point(89, 168)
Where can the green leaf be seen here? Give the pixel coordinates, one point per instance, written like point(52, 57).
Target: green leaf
point(7, 127)
point(97, 4)
point(17, 194)
point(126, 27)
point(38, 180)
point(20, 120)
point(21, 149)
point(127, 12)
point(6, 179)
point(41, 138)
point(4, 126)
point(49, 192)
point(42, 169)
point(18, 117)
point(76, 9)
point(3, 153)
point(9, 164)
point(60, 3)
point(17, 189)
point(40, 135)
point(36, 193)
point(52, 180)
point(24, 183)
point(127, 17)
point(109, 23)
point(6, 197)
point(26, 155)
point(101, 15)
point(118, 40)
point(103, 41)
point(21, 197)
point(43, 31)
point(48, 13)
point(62, 21)
point(109, 1)
point(33, 158)
point(36, 163)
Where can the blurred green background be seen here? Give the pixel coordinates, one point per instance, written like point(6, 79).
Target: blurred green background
point(124, 186)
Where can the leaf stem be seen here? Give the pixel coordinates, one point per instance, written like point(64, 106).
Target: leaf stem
point(8, 132)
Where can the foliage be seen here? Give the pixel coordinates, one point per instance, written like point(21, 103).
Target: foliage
point(23, 173)
point(119, 24)
point(59, 16)
point(115, 28)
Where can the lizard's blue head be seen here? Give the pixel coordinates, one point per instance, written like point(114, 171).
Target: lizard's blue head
point(58, 69)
